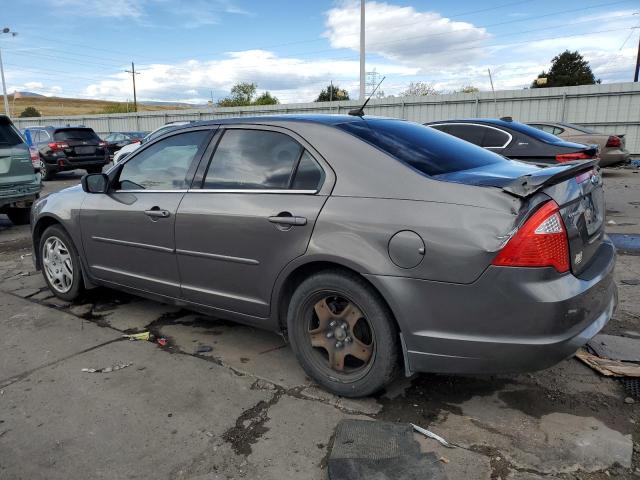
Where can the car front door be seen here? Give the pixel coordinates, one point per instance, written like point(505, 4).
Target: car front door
point(260, 196)
point(128, 233)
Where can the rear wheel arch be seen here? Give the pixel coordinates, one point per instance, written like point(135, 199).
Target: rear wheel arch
point(301, 272)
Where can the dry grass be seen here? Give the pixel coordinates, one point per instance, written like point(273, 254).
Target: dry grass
point(48, 106)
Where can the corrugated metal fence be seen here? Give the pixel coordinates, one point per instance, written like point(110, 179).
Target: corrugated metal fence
point(610, 108)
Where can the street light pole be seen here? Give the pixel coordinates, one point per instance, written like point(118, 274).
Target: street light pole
point(4, 84)
point(4, 87)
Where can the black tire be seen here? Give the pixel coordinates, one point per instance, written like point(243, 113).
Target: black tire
point(19, 216)
point(46, 171)
point(94, 169)
point(320, 290)
point(76, 285)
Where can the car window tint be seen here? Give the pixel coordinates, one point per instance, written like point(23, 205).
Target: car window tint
point(442, 128)
point(253, 159)
point(470, 133)
point(494, 138)
point(309, 175)
point(425, 149)
point(164, 165)
point(9, 135)
point(75, 134)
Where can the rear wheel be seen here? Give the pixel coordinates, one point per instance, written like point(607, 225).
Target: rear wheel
point(46, 171)
point(343, 334)
point(19, 216)
point(60, 263)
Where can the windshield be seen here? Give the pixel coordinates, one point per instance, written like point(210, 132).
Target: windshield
point(75, 134)
point(425, 149)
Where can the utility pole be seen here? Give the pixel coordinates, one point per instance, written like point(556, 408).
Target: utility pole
point(495, 100)
point(4, 84)
point(133, 76)
point(362, 51)
point(635, 77)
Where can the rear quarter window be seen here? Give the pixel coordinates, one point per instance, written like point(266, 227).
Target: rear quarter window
point(9, 135)
point(425, 149)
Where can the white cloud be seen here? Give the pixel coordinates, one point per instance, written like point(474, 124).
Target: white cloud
point(36, 87)
point(101, 8)
point(404, 34)
point(291, 79)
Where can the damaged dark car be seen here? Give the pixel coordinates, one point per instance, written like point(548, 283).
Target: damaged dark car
point(375, 245)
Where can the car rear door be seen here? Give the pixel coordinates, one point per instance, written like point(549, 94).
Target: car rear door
point(128, 233)
point(251, 215)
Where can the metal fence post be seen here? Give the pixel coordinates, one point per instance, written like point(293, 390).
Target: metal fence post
point(564, 102)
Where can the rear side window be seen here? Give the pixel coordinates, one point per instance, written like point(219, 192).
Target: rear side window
point(309, 175)
point(423, 148)
point(494, 138)
point(253, 159)
point(470, 133)
point(75, 134)
point(9, 136)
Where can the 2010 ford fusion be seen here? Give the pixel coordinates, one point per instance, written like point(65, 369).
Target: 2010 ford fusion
point(375, 244)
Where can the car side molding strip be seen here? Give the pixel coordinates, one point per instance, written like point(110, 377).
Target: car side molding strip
point(215, 256)
point(127, 243)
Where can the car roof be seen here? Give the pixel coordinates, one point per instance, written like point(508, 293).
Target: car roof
point(321, 119)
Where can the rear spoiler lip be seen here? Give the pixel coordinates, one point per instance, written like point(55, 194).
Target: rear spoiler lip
point(529, 184)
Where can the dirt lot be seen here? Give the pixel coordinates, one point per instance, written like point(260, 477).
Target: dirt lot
point(245, 409)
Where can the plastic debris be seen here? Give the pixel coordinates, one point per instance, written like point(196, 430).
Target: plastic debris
point(430, 434)
point(204, 349)
point(112, 368)
point(139, 336)
point(162, 341)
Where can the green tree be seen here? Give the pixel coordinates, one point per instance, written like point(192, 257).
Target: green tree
point(567, 70)
point(266, 99)
point(419, 89)
point(241, 95)
point(30, 112)
point(468, 89)
point(332, 92)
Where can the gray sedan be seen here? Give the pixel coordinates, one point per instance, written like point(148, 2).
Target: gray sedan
point(373, 244)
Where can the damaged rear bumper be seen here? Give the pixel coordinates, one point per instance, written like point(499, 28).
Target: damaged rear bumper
point(509, 320)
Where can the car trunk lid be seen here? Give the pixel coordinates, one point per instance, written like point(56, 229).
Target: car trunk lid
point(575, 186)
point(80, 142)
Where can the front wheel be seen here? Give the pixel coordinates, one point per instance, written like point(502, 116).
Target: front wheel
point(60, 263)
point(343, 334)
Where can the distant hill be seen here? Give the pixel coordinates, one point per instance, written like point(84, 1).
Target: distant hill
point(171, 104)
point(54, 106)
point(30, 94)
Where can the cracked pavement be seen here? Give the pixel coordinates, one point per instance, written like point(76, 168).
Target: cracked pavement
point(245, 409)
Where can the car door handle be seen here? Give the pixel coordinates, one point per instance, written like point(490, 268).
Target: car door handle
point(156, 212)
point(288, 220)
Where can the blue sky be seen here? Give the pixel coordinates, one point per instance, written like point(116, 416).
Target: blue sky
point(187, 50)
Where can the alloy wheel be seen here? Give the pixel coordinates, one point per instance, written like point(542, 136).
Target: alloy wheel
point(57, 264)
point(340, 335)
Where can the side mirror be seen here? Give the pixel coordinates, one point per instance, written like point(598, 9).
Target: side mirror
point(95, 183)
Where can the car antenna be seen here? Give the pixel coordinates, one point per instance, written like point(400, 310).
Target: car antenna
point(359, 112)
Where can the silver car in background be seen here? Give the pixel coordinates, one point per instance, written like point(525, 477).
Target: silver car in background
point(373, 244)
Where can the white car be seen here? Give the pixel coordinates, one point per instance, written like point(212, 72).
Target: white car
point(127, 149)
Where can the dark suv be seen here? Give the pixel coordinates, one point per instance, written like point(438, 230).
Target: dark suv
point(19, 184)
point(67, 148)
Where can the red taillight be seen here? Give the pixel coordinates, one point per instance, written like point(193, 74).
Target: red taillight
point(614, 142)
point(58, 145)
point(540, 242)
point(568, 157)
point(35, 157)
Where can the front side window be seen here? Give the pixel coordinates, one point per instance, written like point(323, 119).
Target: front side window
point(164, 165)
point(253, 159)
